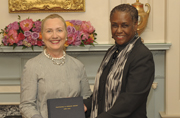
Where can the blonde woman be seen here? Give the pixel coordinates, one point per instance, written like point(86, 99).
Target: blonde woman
point(51, 74)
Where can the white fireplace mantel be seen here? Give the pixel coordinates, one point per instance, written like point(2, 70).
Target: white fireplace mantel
point(12, 62)
point(98, 47)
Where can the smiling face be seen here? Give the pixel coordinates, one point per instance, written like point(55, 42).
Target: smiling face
point(123, 28)
point(54, 34)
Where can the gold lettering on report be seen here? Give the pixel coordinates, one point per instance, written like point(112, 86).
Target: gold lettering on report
point(67, 107)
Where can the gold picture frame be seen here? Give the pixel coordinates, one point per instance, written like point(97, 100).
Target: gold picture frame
point(35, 6)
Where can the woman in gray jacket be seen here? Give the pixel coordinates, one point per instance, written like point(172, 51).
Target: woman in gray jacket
point(51, 74)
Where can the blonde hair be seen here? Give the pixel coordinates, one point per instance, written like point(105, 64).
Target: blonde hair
point(52, 16)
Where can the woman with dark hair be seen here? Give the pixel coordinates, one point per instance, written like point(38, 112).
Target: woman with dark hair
point(125, 76)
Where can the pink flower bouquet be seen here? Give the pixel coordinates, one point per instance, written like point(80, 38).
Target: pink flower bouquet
point(80, 33)
point(27, 33)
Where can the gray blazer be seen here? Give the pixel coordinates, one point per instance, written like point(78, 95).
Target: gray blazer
point(42, 80)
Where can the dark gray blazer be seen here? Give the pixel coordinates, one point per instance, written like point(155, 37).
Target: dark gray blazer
point(137, 79)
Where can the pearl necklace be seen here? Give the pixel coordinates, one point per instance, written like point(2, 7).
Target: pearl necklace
point(62, 59)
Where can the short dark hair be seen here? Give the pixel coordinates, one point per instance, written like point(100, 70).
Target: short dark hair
point(126, 8)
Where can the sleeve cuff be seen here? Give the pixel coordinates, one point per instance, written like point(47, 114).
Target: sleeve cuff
point(104, 115)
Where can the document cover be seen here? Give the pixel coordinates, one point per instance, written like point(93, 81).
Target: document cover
point(66, 108)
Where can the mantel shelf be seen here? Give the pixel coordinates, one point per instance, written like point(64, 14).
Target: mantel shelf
point(99, 47)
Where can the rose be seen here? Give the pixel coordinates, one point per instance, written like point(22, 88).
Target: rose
point(12, 37)
point(77, 38)
point(26, 25)
point(20, 43)
point(70, 39)
point(27, 33)
point(21, 36)
point(86, 27)
point(70, 29)
point(13, 25)
point(76, 22)
point(5, 42)
point(33, 42)
point(35, 35)
point(39, 43)
point(29, 38)
point(37, 26)
point(88, 41)
point(84, 35)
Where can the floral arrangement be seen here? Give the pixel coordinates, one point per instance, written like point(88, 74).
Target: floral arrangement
point(80, 33)
point(27, 33)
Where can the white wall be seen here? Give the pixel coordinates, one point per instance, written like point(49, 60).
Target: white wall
point(97, 12)
point(172, 85)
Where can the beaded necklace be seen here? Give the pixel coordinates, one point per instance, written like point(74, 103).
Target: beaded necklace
point(54, 60)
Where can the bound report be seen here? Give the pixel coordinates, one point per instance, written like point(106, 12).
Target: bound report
point(66, 108)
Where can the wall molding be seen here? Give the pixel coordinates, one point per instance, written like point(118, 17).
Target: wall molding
point(9, 89)
point(100, 47)
point(163, 115)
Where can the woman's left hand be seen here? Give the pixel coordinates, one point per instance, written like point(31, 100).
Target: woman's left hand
point(85, 108)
